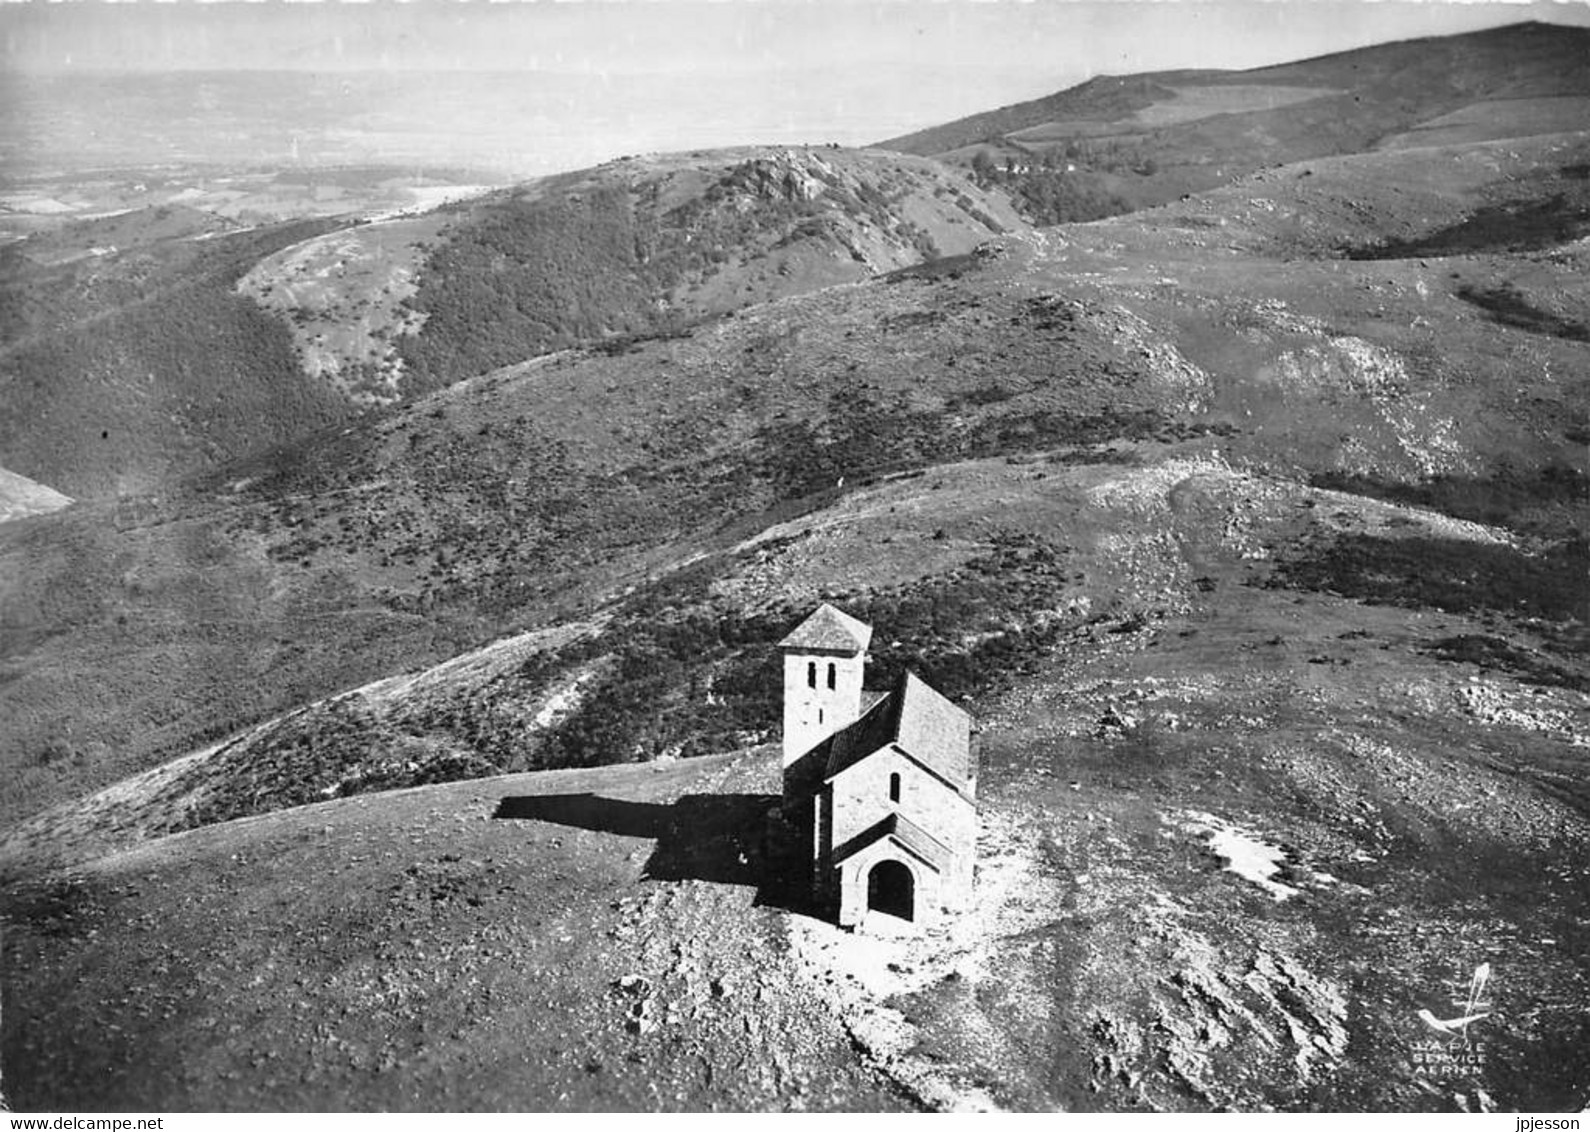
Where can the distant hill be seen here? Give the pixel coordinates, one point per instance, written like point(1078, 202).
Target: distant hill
point(654, 244)
point(1148, 138)
point(138, 348)
point(119, 231)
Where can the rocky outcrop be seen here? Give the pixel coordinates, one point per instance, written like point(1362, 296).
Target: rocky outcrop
point(786, 176)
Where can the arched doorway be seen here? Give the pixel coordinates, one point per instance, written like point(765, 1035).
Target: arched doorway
point(891, 888)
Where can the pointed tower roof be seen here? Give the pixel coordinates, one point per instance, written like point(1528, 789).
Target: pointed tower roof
point(829, 630)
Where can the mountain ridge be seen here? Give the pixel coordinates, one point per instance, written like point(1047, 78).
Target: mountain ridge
point(1149, 141)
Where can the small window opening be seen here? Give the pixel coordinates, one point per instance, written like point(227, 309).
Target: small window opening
point(819, 717)
point(811, 675)
point(894, 787)
point(833, 677)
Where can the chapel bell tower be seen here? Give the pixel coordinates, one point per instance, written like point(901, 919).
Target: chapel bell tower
point(823, 662)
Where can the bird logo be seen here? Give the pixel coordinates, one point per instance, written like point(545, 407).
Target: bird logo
point(1458, 1027)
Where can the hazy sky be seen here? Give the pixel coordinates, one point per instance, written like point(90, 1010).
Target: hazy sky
point(602, 77)
point(1027, 41)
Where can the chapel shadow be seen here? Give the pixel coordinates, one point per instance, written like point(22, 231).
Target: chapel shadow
point(721, 838)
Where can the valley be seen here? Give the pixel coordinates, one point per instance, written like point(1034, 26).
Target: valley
point(391, 714)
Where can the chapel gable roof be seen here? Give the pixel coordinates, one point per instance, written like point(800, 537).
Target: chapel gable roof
point(829, 630)
point(934, 730)
point(920, 722)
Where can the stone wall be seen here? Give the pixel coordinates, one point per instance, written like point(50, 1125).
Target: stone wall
point(860, 799)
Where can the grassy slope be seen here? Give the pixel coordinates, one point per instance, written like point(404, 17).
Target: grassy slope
point(121, 374)
point(413, 953)
point(1391, 348)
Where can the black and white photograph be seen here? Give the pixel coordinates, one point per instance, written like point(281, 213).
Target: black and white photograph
point(764, 556)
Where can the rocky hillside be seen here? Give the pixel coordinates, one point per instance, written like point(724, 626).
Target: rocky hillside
point(652, 245)
point(145, 347)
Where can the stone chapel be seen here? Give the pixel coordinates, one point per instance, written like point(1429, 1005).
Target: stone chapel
point(882, 786)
